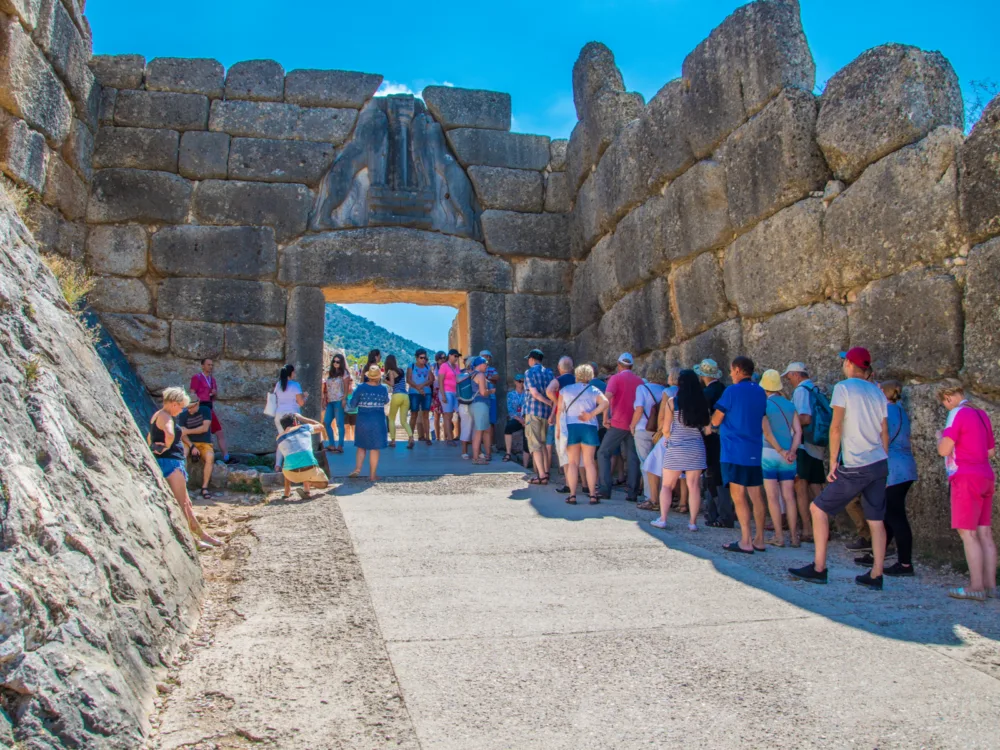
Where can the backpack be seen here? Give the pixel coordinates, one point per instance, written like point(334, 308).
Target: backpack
point(466, 389)
point(653, 418)
point(817, 432)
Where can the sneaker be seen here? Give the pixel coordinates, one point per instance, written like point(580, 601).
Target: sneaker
point(898, 570)
point(865, 561)
point(809, 574)
point(564, 490)
point(866, 580)
point(658, 523)
point(225, 459)
point(465, 456)
point(859, 545)
point(692, 527)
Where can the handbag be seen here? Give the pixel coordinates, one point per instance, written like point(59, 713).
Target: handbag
point(271, 404)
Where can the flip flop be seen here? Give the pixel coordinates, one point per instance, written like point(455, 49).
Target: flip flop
point(571, 500)
point(539, 480)
point(735, 547)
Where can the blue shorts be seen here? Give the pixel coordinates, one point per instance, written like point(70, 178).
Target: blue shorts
point(775, 468)
point(169, 465)
point(582, 434)
point(493, 409)
point(480, 415)
point(449, 402)
point(420, 402)
point(550, 436)
point(748, 476)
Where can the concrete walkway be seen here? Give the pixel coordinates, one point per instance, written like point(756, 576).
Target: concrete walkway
point(423, 460)
point(515, 621)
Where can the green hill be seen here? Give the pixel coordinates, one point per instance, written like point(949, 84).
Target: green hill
point(357, 336)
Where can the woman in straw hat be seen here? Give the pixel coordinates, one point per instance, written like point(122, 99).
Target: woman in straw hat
point(782, 438)
point(370, 399)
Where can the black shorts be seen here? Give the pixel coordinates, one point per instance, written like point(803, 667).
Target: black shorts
point(513, 427)
point(809, 468)
point(867, 481)
point(748, 476)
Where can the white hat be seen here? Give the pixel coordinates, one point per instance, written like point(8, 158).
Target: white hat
point(796, 367)
point(485, 353)
point(626, 359)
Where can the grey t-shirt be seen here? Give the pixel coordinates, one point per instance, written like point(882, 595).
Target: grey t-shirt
point(800, 398)
point(865, 408)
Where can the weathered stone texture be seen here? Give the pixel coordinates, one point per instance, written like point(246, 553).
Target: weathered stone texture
point(557, 154)
point(902, 210)
point(196, 340)
point(912, 323)
point(488, 331)
point(117, 250)
point(468, 108)
point(118, 71)
point(217, 252)
point(722, 343)
point(518, 348)
point(283, 207)
point(756, 52)
point(106, 106)
point(28, 11)
point(117, 295)
point(161, 109)
point(23, 153)
point(64, 189)
point(384, 256)
point(594, 70)
point(78, 150)
point(256, 80)
point(279, 161)
point(773, 161)
point(608, 113)
point(330, 88)
point(814, 334)
point(531, 316)
point(508, 189)
point(306, 306)
point(638, 322)
point(119, 195)
point(665, 152)
point(538, 276)
point(779, 264)
point(282, 121)
point(557, 199)
point(246, 425)
point(979, 170)
point(221, 301)
point(584, 219)
point(60, 39)
point(72, 240)
point(514, 234)
point(204, 155)
point(497, 148)
point(887, 98)
point(254, 342)
point(138, 333)
point(699, 295)
point(186, 76)
point(136, 148)
point(982, 316)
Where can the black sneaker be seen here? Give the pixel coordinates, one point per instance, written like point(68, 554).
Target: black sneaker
point(809, 574)
point(865, 561)
point(866, 580)
point(898, 570)
point(564, 490)
point(859, 545)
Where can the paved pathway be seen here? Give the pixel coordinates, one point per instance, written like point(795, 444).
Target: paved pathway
point(422, 461)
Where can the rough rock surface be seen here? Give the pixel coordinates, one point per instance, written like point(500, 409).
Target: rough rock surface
point(257, 80)
point(699, 295)
point(982, 316)
point(508, 189)
point(330, 88)
point(498, 148)
point(468, 108)
point(979, 183)
point(100, 579)
point(814, 334)
point(515, 234)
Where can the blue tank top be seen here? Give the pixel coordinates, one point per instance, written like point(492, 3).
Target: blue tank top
point(475, 389)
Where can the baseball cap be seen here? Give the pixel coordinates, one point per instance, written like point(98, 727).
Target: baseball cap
point(796, 367)
point(859, 356)
point(536, 354)
point(626, 359)
point(707, 368)
point(485, 353)
point(454, 352)
point(519, 377)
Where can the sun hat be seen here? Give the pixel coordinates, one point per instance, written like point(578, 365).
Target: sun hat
point(770, 381)
point(796, 367)
point(707, 368)
point(373, 372)
point(859, 356)
point(626, 359)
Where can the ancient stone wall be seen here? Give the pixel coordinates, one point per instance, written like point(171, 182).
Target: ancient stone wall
point(740, 213)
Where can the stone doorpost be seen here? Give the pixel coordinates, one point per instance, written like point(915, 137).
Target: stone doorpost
point(304, 331)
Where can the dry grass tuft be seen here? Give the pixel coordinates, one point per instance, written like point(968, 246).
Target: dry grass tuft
point(20, 197)
point(74, 280)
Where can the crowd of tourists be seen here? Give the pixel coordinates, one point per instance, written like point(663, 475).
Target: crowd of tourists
point(671, 439)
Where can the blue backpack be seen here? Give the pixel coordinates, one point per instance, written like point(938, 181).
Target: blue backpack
point(466, 388)
point(817, 432)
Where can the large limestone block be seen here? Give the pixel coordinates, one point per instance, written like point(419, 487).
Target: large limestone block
point(27, 11)
point(531, 316)
point(64, 189)
point(29, 88)
point(23, 153)
point(118, 71)
point(118, 295)
point(256, 80)
point(117, 250)
point(285, 207)
point(756, 52)
point(161, 109)
point(330, 88)
point(247, 428)
point(663, 141)
point(227, 252)
point(136, 148)
point(557, 154)
point(307, 306)
point(196, 340)
point(488, 329)
point(723, 344)
point(779, 264)
point(639, 322)
point(773, 161)
point(814, 334)
point(106, 106)
point(515, 234)
point(982, 316)
point(608, 114)
point(585, 219)
point(539, 276)
point(138, 333)
point(690, 217)
point(620, 182)
point(903, 210)
point(270, 160)
point(186, 76)
point(699, 295)
point(204, 155)
point(887, 98)
point(59, 38)
point(383, 256)
point(518, 348)
point(120, 195)
point(508, 189)
point(282, 121)
point(979, 176)
point(557, 199)
point(594, 70)
point(254, 342)
point(600, 265)
point(911, 323)
point(78, 150)
point(221, 301)
point(498, 148)
point(468, 108)
point(585, 308)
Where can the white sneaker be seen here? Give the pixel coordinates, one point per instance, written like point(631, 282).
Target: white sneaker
point(692, 527)
point(465, 456)
point(658, 523)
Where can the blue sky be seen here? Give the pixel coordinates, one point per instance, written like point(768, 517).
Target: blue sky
point(524, 48)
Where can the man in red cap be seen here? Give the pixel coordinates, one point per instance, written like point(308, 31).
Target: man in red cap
point(859, 465)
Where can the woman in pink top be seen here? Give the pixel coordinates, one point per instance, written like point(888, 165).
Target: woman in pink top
point(967, 445)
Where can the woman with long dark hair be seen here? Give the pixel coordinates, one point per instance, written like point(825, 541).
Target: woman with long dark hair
point(336, 390)
point(374, 358)
point(682, 422)
point(290, 400)
point(399, 403)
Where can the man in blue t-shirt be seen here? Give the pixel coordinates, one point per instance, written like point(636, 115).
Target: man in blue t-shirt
point(739, 415)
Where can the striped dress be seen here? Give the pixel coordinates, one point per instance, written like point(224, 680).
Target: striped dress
point(685, 447)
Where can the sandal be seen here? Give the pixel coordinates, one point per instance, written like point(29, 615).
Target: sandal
point(206, 494)
point(539, 480)
point(571, 500)
point(648, 505)
point(409, 445)
point(796, 542)
point(735, 547)
point(962, 593)
point(595, 499)
point(506, 457)
point(355, 474)
point(775, 543)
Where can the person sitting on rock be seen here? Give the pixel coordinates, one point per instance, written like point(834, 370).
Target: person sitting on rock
point(206, 388)
point(195, 422)
point(298, 462)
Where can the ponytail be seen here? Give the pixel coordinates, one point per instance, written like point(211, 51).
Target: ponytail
point(284, 375)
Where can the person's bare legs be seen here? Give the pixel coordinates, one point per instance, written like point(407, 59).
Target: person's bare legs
point(803, 497)
point(178, 485)
point(209, 459)
point(989, 548)
point(787, 488)
point(738, 493)
point(359, 461)
point(682, 506)
point(653, 483)
point(772, 488)
point(590, 467)
point(573, 469)
point(667, 483)
point(288, 488)
point(415, 425)
point(477, 440)
point(449, 424)
point(877, 530)
point(821, 536)
point(694, 496)
point(759, 515)
point(220, 436)
point(508, 443)
point(974, 558)
point(373, 465)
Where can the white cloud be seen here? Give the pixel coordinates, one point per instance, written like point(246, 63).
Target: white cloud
point(388, 88)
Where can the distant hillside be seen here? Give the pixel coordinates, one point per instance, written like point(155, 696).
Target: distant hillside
point(357, 336)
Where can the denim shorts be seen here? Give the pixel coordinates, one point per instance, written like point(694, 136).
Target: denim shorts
point(582, 434)
point(169, 465)
point(449, 402)
point(777, 469)
point(550, 435)
point(420, 402)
